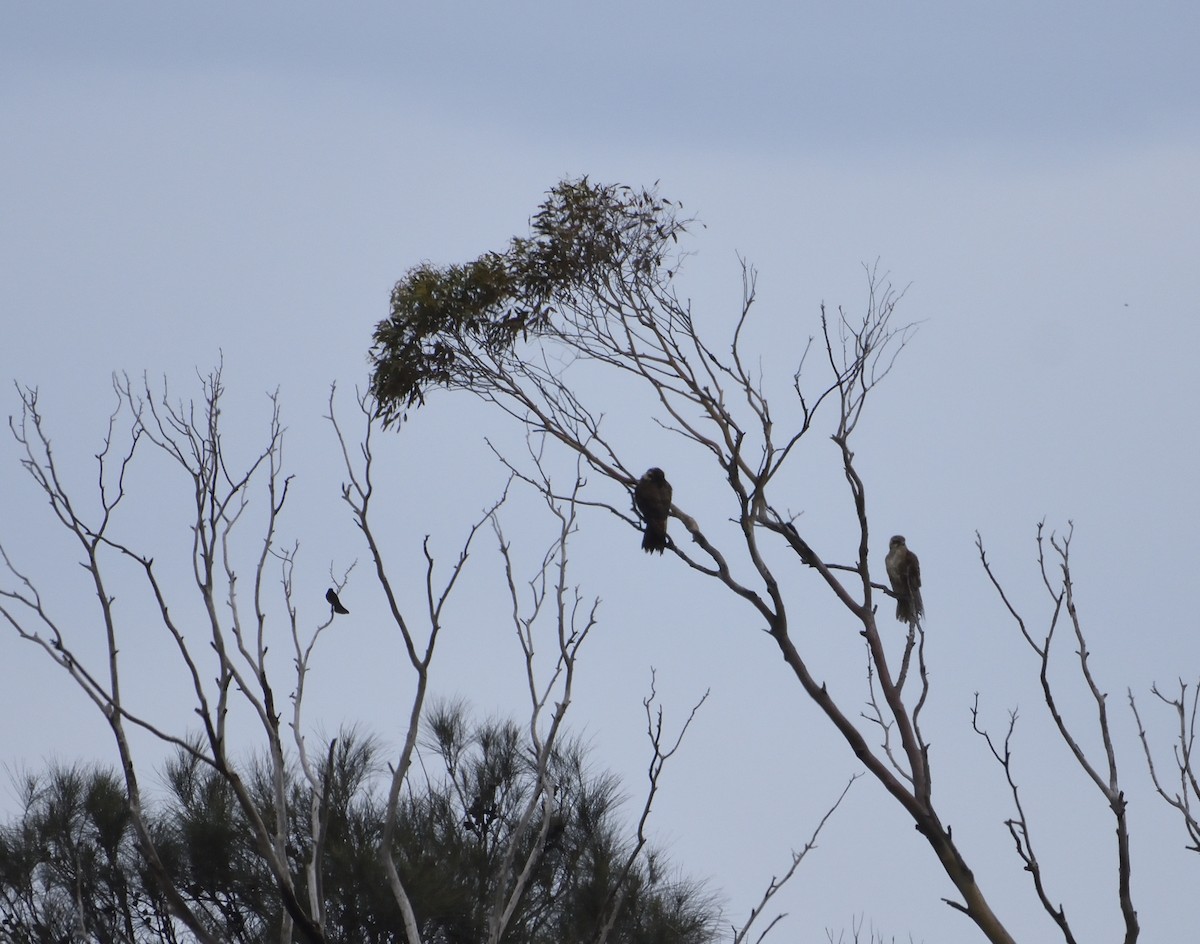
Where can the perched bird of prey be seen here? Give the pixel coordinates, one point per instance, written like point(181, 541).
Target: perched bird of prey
point(652, 495)
point(335, 603)
point(904, 571)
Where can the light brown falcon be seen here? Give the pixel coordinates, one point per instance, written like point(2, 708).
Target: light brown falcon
point(904, 571)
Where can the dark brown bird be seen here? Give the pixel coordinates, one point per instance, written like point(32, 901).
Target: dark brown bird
point(904, 571)
point(652, 495)
point(335, 603)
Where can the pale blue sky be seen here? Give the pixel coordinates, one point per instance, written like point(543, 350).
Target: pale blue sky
point(253, 179)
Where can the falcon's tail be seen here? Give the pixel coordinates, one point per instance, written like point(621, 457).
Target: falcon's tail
point(655, 538)
point(910, 608)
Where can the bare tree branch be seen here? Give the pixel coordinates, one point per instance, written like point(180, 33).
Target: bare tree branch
point(1185, 797)
point(357, 492)
point(1106, 779)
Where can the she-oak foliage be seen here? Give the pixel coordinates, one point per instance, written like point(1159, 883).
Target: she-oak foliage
point(582, 236)
point(70, 869)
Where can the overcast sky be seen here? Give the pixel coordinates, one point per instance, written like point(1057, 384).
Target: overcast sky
point(248, 181)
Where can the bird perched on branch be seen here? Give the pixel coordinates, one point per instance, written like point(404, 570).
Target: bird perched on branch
point(334, 603)
point(652, 495)
point(904, 571)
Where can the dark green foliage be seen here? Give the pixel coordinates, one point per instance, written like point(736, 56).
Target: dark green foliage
point(432, 309)
point(70, 869)
point(202, 833)
point(448, 324)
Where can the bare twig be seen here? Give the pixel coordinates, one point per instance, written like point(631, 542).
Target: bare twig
point(1185, 797)
point(740, 935)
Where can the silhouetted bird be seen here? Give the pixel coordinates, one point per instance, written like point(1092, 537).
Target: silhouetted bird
point(904, 571)
point(335, 603)
point(652, 495)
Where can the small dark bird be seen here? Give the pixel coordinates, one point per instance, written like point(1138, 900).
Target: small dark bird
point(904, 571)
point(335, 603)
point(652, 495)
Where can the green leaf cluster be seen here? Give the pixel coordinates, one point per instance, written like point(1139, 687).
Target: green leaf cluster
point(447, 324)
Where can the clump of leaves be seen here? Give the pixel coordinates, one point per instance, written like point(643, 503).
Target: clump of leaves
point(446, 321)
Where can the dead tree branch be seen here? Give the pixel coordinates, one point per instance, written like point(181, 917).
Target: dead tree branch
point(1184, 798)
point(1105, 777)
